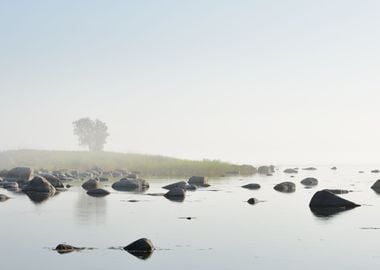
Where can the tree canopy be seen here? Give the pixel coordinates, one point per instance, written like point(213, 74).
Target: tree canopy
point(91, 133)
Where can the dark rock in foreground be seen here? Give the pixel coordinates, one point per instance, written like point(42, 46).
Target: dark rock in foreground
point(39, 184)
point(98, 192)
point(142, 248)
point(325, 203)
point(286, 187)
point(309, 181)
point(252, 186)
point(176, 194)
point(3, 198)
point(198, 180)
point(181, 184)
point(91, 184)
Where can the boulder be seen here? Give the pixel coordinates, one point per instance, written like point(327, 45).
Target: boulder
point(39, 184)
point(252, 186)
point(53, 180)
point(19, 174)
point(98, 192)
point(286, 187)
point(126, 184)
point(181, 184)
point(176, 194)
point(3, 198)
point(310, 181)
point(290, 171)
point(325, 203)
point(91, 184)
point(197, 180)
point(142, 248)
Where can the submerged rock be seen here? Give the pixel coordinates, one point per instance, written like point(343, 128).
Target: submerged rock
point(91, 184)
point(310, 181)
point(252, 201)
point(198, 180)
point(142, 248)
point(286, 187)
point(252, 186)
point(181, 184)
point(325, 203)
point(290, 171)
point(98, 192)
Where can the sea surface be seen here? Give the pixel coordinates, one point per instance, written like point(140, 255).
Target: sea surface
point(224, 232)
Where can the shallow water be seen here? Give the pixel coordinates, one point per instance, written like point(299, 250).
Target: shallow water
point(224, 233)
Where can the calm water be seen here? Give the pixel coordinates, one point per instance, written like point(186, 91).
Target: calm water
point(226, 232)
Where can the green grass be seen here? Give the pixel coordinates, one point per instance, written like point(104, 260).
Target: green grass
point(148, 165)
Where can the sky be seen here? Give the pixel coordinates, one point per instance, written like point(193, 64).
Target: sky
point(286, 81)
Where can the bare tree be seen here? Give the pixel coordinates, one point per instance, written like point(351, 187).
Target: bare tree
point(92, 133)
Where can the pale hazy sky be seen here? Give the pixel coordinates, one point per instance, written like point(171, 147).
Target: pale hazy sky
point(245, 81)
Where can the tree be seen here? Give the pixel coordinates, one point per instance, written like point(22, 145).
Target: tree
point(91, 133)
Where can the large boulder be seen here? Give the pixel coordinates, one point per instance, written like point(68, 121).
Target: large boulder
point(19, 174)
point(310, 181)
point(286, 187)
point(142, 248)
point(198, 180)
point(325, 203)
point(53, 180)
point(176, 194)
point(98, 192)
point(181, 184)
point(252, 186)
point(91, 184)
point(39, 184)
point(126, 184)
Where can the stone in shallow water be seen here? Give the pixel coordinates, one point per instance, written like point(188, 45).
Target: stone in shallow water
point(142, 248)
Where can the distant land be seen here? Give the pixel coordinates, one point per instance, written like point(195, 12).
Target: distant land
point(148, 165)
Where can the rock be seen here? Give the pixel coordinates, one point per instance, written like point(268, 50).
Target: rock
point(53, 180)
point(3, 198)
point(309, 181)
point(197, 180)
point(39, 184)
point(142, 248)
point(325, 203)
point(126, 184)
point(339, 191)
point(176, 194)
point(290, 171)
point(12, 186)
point(98, 192)
point(252, 186)
point(190, 188)
point(309, 169)
point(181, 184)
point(376, 186)
point(252, 201)
point(91, 184)
point(286, 187)
point(19, 174)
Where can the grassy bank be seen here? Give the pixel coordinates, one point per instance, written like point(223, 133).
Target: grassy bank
point(148, 165)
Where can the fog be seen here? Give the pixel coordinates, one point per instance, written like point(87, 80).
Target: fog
point(241, 81)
